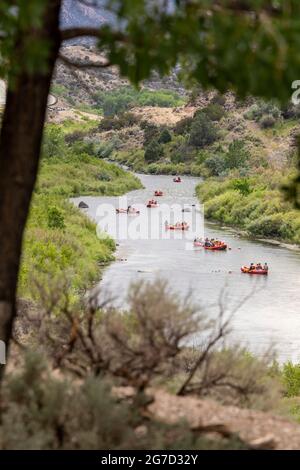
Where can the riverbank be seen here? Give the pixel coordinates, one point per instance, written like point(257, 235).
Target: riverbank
point(135, 160)
point(254, 205)
point(61, 242)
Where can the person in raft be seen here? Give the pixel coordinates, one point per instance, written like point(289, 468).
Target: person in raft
point(252, 267)
point(266, 267)
point(258, 266)
point(207, 242)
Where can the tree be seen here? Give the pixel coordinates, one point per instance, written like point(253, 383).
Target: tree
point(153, 151)
point(203, 131)
point(237, 155)
point(145, 36)
point(165, 137)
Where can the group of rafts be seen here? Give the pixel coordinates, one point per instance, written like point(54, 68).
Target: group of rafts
point(210, 245)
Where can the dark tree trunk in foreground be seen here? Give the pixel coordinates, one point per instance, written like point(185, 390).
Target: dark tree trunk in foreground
point(20, 143)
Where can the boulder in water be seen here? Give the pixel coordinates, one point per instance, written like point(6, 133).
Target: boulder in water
point(83, 205)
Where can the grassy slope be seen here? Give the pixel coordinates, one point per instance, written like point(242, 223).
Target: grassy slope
point(74, 249)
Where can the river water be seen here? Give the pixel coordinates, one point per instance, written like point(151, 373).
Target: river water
point(271, 315)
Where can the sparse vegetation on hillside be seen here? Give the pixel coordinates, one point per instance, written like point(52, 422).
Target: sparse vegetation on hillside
point(120, 100)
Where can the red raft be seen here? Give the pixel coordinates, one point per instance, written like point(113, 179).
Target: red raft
point(158, 193)
point(177, 180)
point(245, 269)
point(152, 204)
point(220, 247)
point(124, 211)
point(177, 227)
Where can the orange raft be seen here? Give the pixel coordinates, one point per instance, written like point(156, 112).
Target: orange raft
point(220, 247)
point(124, 211)
point(152, 204)
point(158, 193)
point(177, 227)
point(245, 269)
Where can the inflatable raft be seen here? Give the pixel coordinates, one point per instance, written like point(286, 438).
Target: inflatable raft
point(158, 193)
point(245, 269)
point(124, 211)
point(175, 227)
point(216, 247)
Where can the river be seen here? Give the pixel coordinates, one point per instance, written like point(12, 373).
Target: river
point(271, 315)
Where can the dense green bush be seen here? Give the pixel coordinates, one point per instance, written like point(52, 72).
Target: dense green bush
point(214, 112)
point(242, 185)
point(271, 226)
point(151, 132)
point(291, 379)
point(183, 153)
point(203, 132)
point(153, 151)
point(55, 218)
point(54, 144)
point(237, 155)
point(216, 164)
point(183, 126)
point(164, 137)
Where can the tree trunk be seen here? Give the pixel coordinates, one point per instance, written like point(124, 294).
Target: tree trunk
point(20, 144)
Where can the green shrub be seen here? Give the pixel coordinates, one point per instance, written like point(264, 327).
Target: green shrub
point(164, 137)
point(216, 164)
point(183, 126)
point(237, 155)
point(242, 185)
point(183, 153)
point(54, 144)
point(154, 151)
point(291, 379)
point(55, 218)
point(261, 108)
point(203, 132)
point(214, 112)
point(151, 132)
point(267, 121)
point(271, 226)
point(218, 99)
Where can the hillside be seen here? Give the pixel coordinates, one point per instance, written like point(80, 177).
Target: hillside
point(245, 150)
